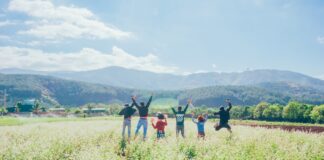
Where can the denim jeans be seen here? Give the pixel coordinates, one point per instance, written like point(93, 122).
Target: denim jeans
point(127, 123)
point(142, 122)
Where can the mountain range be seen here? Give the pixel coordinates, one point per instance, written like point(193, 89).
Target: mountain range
point(116, 85)
point(136, 79)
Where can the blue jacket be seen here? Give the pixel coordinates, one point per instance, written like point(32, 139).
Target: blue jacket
point(200, 125)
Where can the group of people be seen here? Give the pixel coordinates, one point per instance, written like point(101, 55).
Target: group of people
point(160, 122)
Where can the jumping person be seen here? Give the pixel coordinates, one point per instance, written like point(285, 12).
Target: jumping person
point(180, 118)
point(127, 111)
point(160, 125)
point(200, 124)
point(143, 112)
point(224, 116)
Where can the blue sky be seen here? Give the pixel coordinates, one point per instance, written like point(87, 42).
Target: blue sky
point(182, 36)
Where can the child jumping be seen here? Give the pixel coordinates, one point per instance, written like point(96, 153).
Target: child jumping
point(200, 124)
point(160, 125)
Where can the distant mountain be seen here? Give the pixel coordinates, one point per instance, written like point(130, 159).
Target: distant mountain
point(128, 78)
point(53, 91)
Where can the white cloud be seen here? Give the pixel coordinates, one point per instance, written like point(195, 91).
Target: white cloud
point(59, 22)
point(86, 59)
point(320, 40)
point(4, 37)
point(6, 23)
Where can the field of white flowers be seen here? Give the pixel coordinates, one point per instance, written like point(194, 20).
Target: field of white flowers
point(101, 139)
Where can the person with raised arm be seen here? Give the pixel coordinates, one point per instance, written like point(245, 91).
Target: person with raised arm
point(224, 117)
point(180, 115)
point(200, 122)
point(127, 112)
point(143, 113)
point(160, 125)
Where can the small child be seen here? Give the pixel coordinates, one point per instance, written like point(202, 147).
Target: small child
point(200, 124)
point(160, 125)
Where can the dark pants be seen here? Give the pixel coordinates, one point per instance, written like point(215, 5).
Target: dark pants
point(160, 134)
point(180, 128)
point(223, 125)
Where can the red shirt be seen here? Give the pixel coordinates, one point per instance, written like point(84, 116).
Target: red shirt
point(160, 125)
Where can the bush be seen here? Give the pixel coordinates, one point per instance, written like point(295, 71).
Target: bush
point(258, 111)
point(317, 114)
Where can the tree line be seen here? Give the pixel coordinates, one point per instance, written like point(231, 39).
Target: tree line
point(292, 112)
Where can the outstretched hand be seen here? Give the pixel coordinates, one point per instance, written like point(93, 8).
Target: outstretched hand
point(190, 101)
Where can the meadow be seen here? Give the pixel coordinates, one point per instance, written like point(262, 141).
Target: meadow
point(100, 138)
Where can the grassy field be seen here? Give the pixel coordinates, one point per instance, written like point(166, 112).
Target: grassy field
point(99, 138)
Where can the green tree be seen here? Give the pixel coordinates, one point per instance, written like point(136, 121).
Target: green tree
point(258, 111)
point(307, 113)
point(36, 107)
point(295, 111)
point(317, 114)
point(18, 107)
point(248, 112)
point(43, 109)
point(90, 107)
point(273, 112)
point(237, 112)
point(3, 110)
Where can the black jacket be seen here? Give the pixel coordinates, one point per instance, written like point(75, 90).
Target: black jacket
point(127, 112)
point(224, 115)
point(143, 110)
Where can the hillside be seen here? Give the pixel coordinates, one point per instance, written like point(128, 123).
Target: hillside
point(128, 78)
point(73, 93)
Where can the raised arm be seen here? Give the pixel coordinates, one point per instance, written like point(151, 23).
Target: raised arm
point(134, 102)
point(189, 102)
point(206, 118)
point(185, 110)
point(229, 106)
point(149, 102)
point(122, 112)
point(153, 125)
point(173, 110)
point(193, 119)
point(165, 122)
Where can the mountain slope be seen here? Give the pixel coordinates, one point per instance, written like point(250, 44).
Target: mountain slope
point(128, 78)
point(73, 93)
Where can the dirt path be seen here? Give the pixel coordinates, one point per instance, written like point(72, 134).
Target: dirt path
point(311, 129)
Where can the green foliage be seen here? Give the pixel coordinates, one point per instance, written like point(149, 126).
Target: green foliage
point(259, 109)
point(3, 111)
point(317, 114)
point(273, 112)
point(294, 111)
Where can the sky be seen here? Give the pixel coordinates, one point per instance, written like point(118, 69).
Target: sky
point(163, 36)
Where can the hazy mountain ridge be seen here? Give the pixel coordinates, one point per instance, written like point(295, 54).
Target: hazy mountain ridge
point(129, 78)
point(73, 93)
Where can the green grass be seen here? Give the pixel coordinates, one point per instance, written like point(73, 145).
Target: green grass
point(163, 103)
point(100, 139)
point(12, 121)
